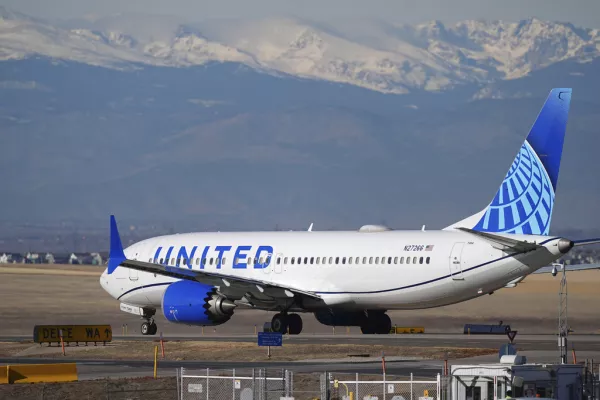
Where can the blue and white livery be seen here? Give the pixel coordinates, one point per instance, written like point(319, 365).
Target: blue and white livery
point(351, 278)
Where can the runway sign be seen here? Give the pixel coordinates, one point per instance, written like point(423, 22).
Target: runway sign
point(72, 333)
point(4, 373)
point(270, 339)
point(34, 373)
point(408, 329)
point(478, 329)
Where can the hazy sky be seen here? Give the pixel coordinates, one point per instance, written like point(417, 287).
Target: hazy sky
point(580, 12)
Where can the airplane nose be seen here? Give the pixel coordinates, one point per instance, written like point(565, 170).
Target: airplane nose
point(564, 245)
point(104, 281)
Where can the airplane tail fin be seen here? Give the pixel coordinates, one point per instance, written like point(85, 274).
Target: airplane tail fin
point(116, 254)
point(525, 199)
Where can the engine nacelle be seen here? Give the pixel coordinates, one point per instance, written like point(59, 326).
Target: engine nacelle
point(341, 318)
point(194, 303)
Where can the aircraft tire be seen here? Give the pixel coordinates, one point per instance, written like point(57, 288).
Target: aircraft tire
point(384, 324)
point(367, 329)
point(145, 329)
point(294, 324)
point(153, 329)
point(279, 323)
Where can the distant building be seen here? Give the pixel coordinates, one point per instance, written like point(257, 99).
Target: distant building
point(49, 258)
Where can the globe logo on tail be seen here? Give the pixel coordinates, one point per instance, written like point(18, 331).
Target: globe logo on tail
point(524, 202)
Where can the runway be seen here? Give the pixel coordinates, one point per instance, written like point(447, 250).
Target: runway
point(522, 342)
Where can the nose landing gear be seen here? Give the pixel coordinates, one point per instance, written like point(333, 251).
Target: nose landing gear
point(149, 328)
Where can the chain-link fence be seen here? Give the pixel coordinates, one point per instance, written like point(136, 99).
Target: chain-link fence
point(262, 384)
point(236, 384)
point(382, 387)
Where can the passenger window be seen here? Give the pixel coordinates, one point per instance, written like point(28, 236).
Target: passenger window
point(364, 260)
point(427, 260)
point(330, 260)
point(161, 260)
point(350, 260)
point(261, 261)
point(376, 260)
point(305, 260)
point(204, 261)
point(312, 260)
point(285, 260)
point(421, 260)
point(344, 260)
point(210, 261)
point(172, 261)
point(317, 260)
point(389, 260)
point(408, 260)
point(292, 260)
point(395, 260)
point(337, 260)
point(278, 260)
point(299, 260)
point(268, 260)
point(401, 260)
point(197, 261)
point(150, 260)
point(414, 260)
point(249, 261)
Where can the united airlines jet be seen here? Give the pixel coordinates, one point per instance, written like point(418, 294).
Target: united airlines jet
point(351, 278)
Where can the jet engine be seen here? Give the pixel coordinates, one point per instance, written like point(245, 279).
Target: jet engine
point(194, 303)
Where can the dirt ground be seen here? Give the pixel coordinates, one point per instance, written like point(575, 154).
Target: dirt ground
point(223, 351)
point(40, 294)
point(130, 389)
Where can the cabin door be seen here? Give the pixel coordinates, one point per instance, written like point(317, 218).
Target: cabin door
point(456, 261)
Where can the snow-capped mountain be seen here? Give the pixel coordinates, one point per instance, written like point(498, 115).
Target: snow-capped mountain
point(374, 54)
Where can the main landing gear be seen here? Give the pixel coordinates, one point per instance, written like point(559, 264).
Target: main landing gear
point(378, 323)
point(286, 323)
point(149, 327)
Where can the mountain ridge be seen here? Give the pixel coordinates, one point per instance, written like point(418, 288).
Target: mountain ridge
point(385, 57)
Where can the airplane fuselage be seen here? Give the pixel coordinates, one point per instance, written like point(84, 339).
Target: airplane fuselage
point(389, 270)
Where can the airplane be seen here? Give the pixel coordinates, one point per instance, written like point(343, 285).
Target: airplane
point(352, 278)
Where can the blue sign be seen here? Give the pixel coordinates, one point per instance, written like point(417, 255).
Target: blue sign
point(270, 339)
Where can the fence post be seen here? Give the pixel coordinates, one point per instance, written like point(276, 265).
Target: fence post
point(177, 381)
point(411, 386)
point(384, 388)
point(357, 385)
point(439, 381)
point(253, 386)
point(207, 371)
point(233, 384)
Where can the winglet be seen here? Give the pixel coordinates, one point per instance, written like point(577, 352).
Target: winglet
point(116, 255)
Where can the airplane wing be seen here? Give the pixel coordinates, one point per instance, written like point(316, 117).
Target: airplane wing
point(251, 290)
point(503, 243)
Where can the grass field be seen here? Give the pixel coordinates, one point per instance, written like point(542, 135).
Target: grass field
point(39, 294)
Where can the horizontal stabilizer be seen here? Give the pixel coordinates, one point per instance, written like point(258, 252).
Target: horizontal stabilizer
point(585, 242)
point(570, 267)
point(502, 242)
